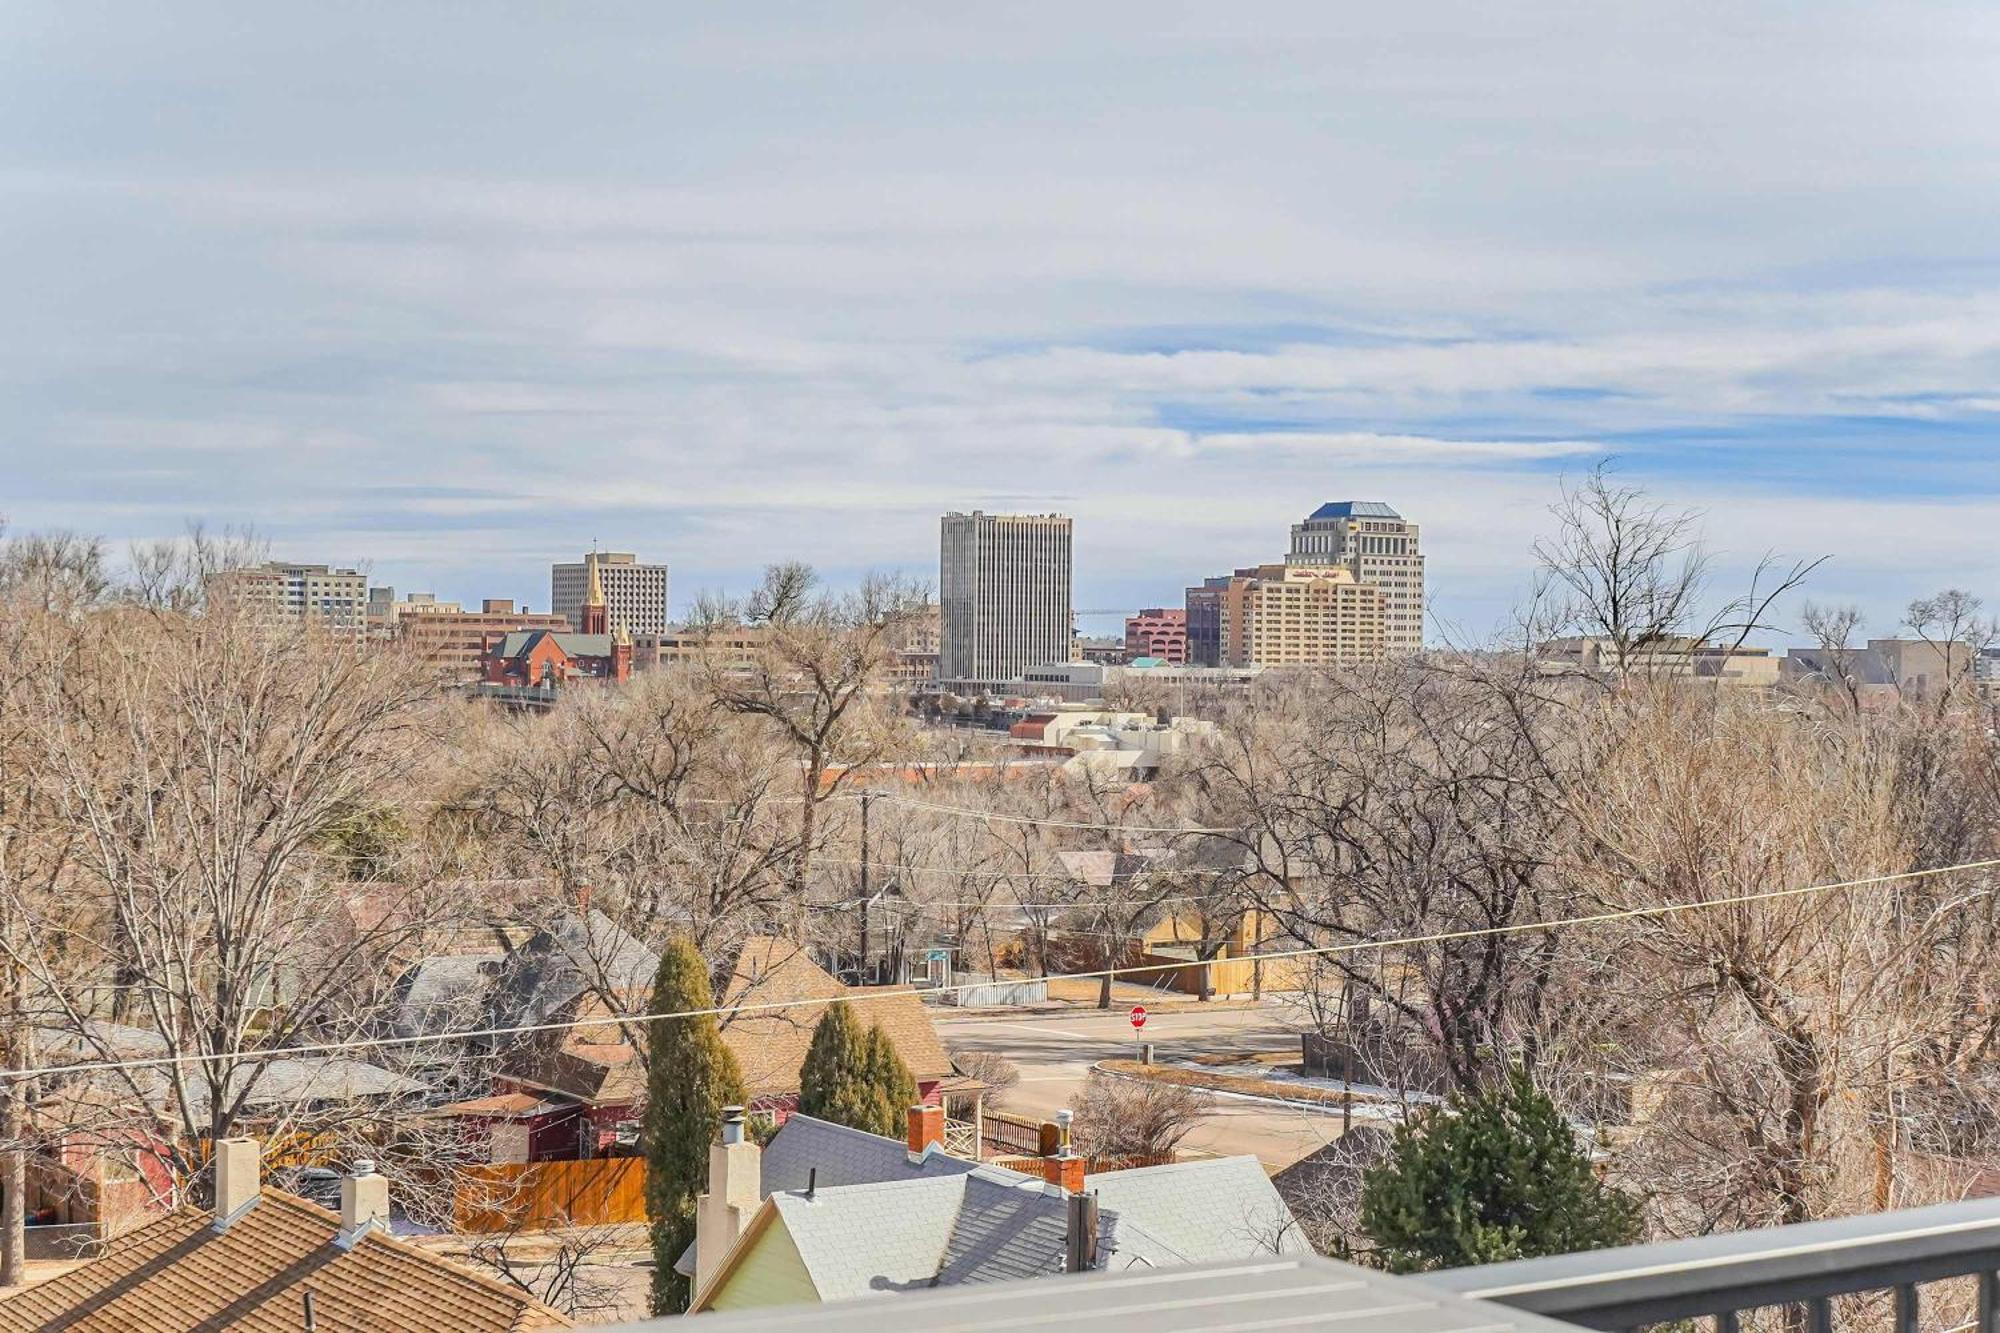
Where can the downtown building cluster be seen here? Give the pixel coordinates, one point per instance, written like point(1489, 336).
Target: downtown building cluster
point(1350, 589)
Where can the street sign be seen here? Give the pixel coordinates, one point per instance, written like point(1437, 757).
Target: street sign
point(1138, 1015)
point(938, 956)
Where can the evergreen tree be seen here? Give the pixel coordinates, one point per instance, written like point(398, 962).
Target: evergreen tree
point(837, 1080)
point(895, 1086)
point(690, 1077)
point(1499, 1175)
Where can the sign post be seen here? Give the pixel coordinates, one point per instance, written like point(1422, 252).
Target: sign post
point(1138, 1026)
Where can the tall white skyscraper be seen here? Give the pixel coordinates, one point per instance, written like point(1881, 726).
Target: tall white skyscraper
point(1003, 594)
point(1379, 547)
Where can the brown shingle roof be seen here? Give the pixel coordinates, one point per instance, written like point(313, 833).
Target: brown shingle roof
point(770, 1044)
point(179, 1273)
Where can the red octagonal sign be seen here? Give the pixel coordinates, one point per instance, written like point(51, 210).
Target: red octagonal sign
point(1138, 1015)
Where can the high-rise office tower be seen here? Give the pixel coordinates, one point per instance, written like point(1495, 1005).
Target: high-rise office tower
point(1379, 547)
point(635, 595)
point(1003, 594)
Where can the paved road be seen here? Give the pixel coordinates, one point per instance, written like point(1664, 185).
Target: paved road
point(1055, 1052)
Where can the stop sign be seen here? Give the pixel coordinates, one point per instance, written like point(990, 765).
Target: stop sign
point(1138, 1015)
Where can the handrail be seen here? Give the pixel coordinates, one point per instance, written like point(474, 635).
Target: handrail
point(1721, 1275)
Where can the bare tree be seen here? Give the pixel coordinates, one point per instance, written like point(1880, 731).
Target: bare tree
point(1118, 1117)
point(1635, 575)
point(1949, 624)
point(817, 682)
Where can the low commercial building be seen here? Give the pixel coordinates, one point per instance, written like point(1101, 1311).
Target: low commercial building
point(1677, 657)
point(1159, 632)
point(451, 642)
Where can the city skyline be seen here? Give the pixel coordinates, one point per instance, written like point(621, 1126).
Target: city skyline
point(457, 336)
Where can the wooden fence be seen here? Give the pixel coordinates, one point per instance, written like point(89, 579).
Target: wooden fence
point(529, 1195)
point(1003, 1135)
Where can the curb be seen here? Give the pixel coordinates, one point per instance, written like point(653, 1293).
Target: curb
point(1319, 1108)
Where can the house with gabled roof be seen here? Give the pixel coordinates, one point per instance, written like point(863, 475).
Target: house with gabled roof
point(264, 1261)
point(580, 1091)
point(828, 1213)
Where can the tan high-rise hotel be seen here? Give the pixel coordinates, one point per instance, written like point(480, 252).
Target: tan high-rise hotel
point(1379, 547)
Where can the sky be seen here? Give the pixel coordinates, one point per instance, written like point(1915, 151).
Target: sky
point(450, 291)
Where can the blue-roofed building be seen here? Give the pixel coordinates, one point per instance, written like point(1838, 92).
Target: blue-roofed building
point(1380, 548)
point(1353, 509)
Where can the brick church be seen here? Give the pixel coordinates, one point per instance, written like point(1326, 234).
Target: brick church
point(557, 657)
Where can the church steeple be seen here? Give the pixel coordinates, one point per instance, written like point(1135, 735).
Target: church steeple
point(596, 616)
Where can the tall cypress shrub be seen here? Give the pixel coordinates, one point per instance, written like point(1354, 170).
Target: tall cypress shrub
point(690, 1077)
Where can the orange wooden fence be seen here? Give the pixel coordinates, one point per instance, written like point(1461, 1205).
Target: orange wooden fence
point(524, 1196)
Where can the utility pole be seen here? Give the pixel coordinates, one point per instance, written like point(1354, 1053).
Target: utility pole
point(863, 965)
point(14, 1130)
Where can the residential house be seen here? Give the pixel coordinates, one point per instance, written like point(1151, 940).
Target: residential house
point(580, 1091)
point(770, 1043)
point(932, 1219)
point(269, 1262)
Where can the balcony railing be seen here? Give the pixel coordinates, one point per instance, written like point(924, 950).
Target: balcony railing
point(1802, 1268)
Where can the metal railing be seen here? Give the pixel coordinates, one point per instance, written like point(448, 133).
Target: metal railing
point(1722, 1277)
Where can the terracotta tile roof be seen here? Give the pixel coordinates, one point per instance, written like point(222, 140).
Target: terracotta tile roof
point(178, 1273)
point(770, 1044)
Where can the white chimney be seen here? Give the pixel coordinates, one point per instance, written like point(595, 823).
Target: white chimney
point(735, 1188)
point(364, 1203)
point(237, 1185)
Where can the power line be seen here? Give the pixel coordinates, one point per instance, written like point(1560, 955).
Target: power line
point(866, 996)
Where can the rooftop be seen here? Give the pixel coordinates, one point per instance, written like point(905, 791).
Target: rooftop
point(1353, 509)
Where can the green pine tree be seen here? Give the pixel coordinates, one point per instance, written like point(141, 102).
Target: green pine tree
point(1499, 1175)
point(895, 1086)
point(690, 1077)
point(837, 1082)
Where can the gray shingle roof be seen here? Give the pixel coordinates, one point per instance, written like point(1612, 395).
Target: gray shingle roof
point(1226, 1208)
point(444, 993)
point(989, 1224)
point(844, 1156)
point(1282, 1292)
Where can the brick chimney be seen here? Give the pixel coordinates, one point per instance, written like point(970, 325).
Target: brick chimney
point(926, 1129)
point(364, 1204)
point(735, 1188)
point(238, 1182)
point(1065, 1171)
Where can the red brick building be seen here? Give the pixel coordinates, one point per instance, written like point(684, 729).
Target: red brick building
point(1158, 632)
point(554, 657)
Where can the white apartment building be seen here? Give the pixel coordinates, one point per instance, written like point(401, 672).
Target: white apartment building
point(635, 595)
point(278, 591)
point(1379, 547)
point(1003, 594)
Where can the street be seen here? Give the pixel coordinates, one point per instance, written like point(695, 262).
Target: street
point(1054, 1053)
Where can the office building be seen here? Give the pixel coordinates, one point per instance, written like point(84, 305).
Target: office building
point(1004, 594)
point(1301, 615)
point(286, 593)
point(1161, 632)
point(1379, 547)
point(635, 595)
point(1204, 618)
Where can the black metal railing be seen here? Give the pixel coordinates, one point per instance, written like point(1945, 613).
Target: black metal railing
point(1803, 1268)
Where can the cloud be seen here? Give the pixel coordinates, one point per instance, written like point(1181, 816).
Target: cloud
point(458, 299)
